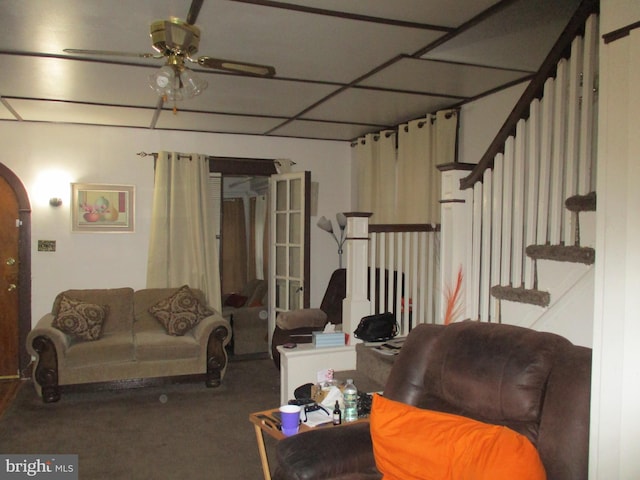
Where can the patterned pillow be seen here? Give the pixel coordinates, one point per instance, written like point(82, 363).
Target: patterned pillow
point(180, 312)
point(83, 321)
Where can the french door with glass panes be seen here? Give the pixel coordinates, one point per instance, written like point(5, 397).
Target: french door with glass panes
point(289, 265)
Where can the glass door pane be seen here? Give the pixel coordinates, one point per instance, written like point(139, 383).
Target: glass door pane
point(289, 238)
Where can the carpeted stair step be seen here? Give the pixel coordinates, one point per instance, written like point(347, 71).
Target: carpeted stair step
point(373, 364)
point(562, 253)
point(581, 203)
point(521, 295)
point(372, 369)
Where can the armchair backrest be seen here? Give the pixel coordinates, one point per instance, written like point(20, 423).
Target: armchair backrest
point(535, 383)
point(334, 295)
point(254, 290)
point(337, 291)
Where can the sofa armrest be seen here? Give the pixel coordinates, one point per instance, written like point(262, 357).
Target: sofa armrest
point(44, 327)
point(213, 333)
point(329, 452)
point(303, 317)
point(207, 325)
point(47, 344)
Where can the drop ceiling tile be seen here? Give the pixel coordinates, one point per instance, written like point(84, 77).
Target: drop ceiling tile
point(322, 130)
point(76, 80)
point(302, 45)
point(257, 96)
point(441, 78)
point(518, 37)
point(376, 107)
point(211, 122)
point(34, 26)
point(5, 114)
point(434, 12)
point(64, 112)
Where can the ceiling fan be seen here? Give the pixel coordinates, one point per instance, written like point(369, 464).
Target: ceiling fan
point(177, 41)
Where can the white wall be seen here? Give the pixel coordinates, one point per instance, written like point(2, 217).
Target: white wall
point(481, 120)
point(48, 157)
point(615, 401)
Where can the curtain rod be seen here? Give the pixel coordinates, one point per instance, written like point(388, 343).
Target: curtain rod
point(155, 155)
point(405, 126)
point(209, 157)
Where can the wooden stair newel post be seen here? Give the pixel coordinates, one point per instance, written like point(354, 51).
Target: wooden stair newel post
point(356, 304)
point(454, 234)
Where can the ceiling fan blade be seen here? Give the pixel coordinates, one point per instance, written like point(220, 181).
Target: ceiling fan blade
point(194, 10)
point(239, 67)
point(80, 51)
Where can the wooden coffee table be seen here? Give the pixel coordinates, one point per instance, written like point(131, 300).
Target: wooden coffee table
point(266, 422)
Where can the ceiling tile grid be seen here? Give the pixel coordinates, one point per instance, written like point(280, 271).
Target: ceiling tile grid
point(78, 113)
point(211, 122)
point(343, 67)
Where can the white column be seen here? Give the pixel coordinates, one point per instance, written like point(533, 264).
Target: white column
point(356, 304)
point(615, 397)
point(454, 234)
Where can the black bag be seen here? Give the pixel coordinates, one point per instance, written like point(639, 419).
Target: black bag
point(377, 328)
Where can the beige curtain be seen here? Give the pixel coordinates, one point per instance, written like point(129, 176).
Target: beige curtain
point(422, 145)
point(182, 246)
point(364, 159)
point(376, 170)
point(416, 172)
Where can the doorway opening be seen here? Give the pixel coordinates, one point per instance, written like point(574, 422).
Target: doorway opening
point(244, 231)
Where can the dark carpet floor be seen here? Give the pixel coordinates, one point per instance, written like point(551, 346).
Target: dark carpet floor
point(175, 432)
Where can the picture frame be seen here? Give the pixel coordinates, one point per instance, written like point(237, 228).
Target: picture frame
point(102, 208)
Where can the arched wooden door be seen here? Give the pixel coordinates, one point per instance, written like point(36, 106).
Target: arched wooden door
point(15, 275)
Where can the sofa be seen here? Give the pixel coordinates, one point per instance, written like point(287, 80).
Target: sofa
point(247, 313)
point(127, 338)
point(535, 384)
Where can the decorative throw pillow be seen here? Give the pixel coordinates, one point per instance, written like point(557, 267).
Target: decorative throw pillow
point(411, 443)
point(180, 312)
point(83, 321)
point(235, 300)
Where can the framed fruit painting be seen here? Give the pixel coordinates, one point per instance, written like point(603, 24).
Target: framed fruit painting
point(102, 208)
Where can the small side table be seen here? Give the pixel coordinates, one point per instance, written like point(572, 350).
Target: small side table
point(265, 422)
point(301, 364)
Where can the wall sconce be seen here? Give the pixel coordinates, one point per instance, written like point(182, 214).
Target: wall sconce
point(326, 225)
point(55, 201)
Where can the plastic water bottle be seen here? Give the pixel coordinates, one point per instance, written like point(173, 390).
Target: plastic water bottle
point(350, 395)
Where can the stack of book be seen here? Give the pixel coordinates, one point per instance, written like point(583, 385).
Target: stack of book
point(328, 339)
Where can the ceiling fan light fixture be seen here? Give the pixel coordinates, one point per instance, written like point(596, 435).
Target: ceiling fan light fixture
point(176, 83)
point(162, 79)
point(191, 83)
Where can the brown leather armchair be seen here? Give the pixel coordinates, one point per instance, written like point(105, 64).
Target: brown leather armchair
point(535, 383)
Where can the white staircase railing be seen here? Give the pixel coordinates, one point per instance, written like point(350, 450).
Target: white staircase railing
point(409, 256)
point(520, 201)
point(485, 229)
